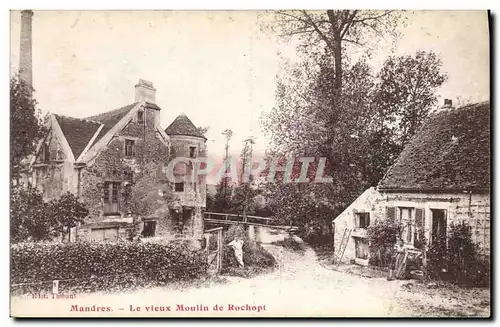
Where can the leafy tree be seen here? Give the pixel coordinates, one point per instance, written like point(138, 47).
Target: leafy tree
point(33, 219)
point(26, 125)
point(333, 29)
point(328, 106)
point(28, 215)
point(65, 213)
point(407, 92)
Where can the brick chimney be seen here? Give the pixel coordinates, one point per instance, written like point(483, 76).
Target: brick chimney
point(25, 51)
point(144, 91)
point(447, 103)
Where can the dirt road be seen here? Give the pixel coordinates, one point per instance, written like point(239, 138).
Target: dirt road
point(299, 288)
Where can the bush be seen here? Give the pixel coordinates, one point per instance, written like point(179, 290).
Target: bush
point(457, 259)
point(34, 219)
point(382, 237)
point(255, 257)
point(91, 266)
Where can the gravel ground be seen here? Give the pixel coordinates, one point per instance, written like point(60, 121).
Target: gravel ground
point(301, 287)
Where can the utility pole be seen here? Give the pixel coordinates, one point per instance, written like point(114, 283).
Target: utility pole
point(246, 155)
point(228, 134)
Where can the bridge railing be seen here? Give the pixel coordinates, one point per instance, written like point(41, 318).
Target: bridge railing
point(239, 218)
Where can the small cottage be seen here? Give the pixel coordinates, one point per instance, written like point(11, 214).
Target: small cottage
point(441, 177)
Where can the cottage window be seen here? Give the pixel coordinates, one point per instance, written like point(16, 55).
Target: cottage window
point(362, 220)
point(439, 224)
point(129, 148)
point(140, 117)
point(192, 152)
point(407, 223)
point(179, 187)
point(45, 152)
point(111, 198)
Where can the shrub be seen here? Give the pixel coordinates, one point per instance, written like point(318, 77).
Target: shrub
point(382, 237)
point(457, 259)
point(90, 266)
point(34, 219)
point(255, 257)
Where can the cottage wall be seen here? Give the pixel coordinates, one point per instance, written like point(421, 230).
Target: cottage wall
point(365, 203)
point(55, 176)
point(473, 209)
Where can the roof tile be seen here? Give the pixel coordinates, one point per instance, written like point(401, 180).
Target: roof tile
point(451, 151)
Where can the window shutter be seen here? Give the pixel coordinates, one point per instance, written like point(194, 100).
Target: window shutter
point(419, 218)
point(390, 213)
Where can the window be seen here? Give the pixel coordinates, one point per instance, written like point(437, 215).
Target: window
point(362, 219)
point(149, 229)
point(45, 152)
point(192, 152)
point(406, 220)
point(128, 175)
point(140, 117)
point(129, 148)
point(439, 224)
point(179, 187)
point(111, 198)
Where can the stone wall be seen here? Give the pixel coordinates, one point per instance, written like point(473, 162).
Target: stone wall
point(194, 194)
point(148, 194)
point(366, 202)
point(473, 209)
point(56, 176)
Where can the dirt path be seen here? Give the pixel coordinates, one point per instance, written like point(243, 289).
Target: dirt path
point(300, 287)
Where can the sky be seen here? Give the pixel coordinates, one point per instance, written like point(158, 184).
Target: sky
point(219, 68)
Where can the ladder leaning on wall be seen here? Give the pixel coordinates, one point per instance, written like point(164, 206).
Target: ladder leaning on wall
point(343, 244)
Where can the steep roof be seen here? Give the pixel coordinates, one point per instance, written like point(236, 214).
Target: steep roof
point(450, 152)
point(182, 125)
point(78, 132)
point(110, 119)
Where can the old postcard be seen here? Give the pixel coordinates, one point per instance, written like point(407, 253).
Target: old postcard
point(284, 163)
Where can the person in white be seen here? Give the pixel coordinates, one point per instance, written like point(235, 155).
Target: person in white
point(237, 245)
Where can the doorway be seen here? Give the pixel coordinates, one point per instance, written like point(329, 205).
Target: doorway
point(149, 228)
point(439, 224)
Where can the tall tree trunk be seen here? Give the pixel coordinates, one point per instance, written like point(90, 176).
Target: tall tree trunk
point(335, 20)
point(338, 65)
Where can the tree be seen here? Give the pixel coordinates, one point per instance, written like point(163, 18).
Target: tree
point(26, 125)
point(66, 212)
point(33, 219)
point(28, 215)
point(334, 28)
point(407, 92)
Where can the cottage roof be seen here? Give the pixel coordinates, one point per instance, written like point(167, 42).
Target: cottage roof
point(450, 152)
point(78, 132)
point(182, 125)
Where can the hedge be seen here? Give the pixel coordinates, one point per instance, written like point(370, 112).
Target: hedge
point(91, 266)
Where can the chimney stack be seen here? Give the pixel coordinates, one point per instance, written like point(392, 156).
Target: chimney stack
point(25, 53)
point(144, 91)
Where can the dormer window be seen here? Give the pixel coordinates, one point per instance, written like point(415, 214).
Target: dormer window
point(140, 117)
